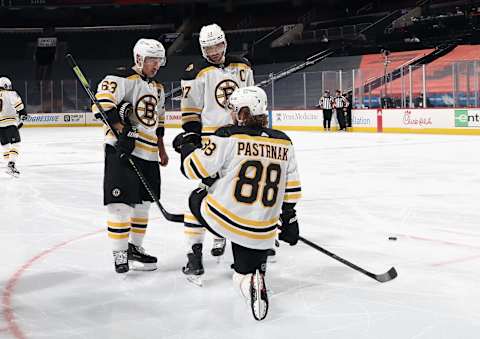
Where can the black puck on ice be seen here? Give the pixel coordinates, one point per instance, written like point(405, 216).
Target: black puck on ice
point(392, 238)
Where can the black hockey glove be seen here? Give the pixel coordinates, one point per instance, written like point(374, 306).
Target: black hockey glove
point(289, 228)
point(23, 115)
point(185, 138)
point(118, 114)
point(126, 141)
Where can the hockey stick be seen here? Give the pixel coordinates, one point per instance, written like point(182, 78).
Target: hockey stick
point(384, 277)
point(86, 87)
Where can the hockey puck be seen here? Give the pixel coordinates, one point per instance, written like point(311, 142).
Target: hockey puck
point(392, 238)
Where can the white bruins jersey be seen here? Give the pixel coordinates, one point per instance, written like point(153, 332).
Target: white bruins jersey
point(206, 88)
point(148, 100)
point(10, 105)
point(257, 174)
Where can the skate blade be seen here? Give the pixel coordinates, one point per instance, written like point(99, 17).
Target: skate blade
point(259, 305)
point(15, 175)
point(137, 266)
point(195, 279)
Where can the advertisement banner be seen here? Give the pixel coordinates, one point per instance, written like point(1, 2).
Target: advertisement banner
point(417, 118)
point(438, 121)
point(55, 119)
point(90, 120)
point(467, 118)
point(173, 119)
point(364, 119)
point(300, 120)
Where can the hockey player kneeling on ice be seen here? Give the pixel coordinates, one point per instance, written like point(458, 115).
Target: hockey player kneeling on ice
point(11, 110)
point(134, 105)
point(257, 188)
point(206, 87)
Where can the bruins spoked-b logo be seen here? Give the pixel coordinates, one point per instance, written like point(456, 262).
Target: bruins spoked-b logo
point(223, 91)
point(146, 110)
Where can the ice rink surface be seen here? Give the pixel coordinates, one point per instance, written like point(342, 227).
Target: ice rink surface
point(57, 278)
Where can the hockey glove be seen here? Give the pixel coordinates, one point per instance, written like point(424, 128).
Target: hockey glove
point(289, 228)
point(118, 114)
point(126, 141)
point(185, 138)
point(23, 115)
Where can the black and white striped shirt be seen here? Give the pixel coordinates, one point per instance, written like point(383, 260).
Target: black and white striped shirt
point(326, 102)
point(341, 102)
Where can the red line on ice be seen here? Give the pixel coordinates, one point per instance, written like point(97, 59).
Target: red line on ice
point(445, 242)
point(7, 309)
point(454, 261)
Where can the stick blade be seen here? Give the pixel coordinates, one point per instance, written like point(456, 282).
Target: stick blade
point(195, 280)
point(387, 276)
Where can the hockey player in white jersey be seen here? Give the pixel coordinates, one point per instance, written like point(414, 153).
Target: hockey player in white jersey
point(11, 111)
point(134, 104)
point(206, 87)
point(257, 188)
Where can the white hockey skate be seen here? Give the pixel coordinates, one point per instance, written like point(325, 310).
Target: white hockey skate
point(120, 260)
point(253, 289)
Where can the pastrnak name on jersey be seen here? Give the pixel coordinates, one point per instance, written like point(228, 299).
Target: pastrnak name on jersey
point(250, 148)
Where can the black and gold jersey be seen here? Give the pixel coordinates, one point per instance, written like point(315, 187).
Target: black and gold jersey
point(257, 174)
point(148, 99)
point(10, 105)
point(206, 88)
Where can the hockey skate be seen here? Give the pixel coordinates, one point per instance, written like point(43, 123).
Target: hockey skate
point(139, 260)
point(121, 261)
point(218, 248)
point(194, 268)
point(253, 290)
point(12, 170)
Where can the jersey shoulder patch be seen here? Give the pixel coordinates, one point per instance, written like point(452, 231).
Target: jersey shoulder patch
point(226, 131)
point(233, 59)
point(192, 69)
point(229, 130)
point(125, 72)
point(276, 134)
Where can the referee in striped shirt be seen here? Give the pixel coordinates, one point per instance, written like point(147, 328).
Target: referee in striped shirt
point(326, 104)
point(340, 104)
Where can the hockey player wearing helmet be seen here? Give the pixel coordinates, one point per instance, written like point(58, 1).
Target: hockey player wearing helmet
point(213, 43)
point(134, 104)
point(256, 191)
point(149, 56)
point(206, 87)
point(11, 111)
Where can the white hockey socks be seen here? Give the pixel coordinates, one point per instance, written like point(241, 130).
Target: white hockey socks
point(193, 230)
point(119, 225)
point(6, 152)
point(139, 222)
point(14, 152)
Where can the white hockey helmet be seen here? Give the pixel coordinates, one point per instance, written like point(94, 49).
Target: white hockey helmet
point(211, 35)
point(5, 83)
point(148, 48)
point(252, 97)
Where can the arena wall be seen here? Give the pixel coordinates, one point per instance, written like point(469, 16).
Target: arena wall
point(426, 121)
